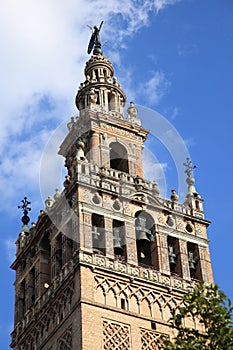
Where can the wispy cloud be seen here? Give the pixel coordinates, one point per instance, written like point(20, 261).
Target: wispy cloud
point(187, 50)
point(162, 4)
point(174, 113)
point(43, 46)
point(155, 170)
point(10, 249)
point(154, 88)
point(171, 112)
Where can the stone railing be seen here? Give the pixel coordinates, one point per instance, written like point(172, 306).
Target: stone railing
point(115, 180)
point(92, 174)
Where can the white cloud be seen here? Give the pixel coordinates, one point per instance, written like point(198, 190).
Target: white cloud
point(155, 170)
point(43, 50)
point(10, 249)
point(175, 111)
point(187, 50)
point(154, 88)
point(172, 112)
point(161, 4)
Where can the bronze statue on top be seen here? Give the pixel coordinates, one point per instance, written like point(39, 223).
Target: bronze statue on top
point(95, 41)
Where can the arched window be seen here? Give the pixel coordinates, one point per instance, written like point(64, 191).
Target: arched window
point(194, 261)
point(98, 234)
point(145, 229)
point(45, 269)
point(58, 253)
point(118, 157)
point(111, 101)
point(21, 302)
point(31, 287)
point(119, 240)
point(174, 255)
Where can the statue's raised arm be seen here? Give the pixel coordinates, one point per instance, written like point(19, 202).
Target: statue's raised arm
point(95, 41)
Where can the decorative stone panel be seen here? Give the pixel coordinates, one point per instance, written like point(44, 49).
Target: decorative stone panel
point(148, 339)
point(144, 301)
point(65, 341)
point(116, 336)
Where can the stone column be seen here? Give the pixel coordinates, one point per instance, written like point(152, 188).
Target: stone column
point(31, 288)
point(86, 231)
point(132, 160)
point(131, 245)
point(64, 250)
point(139, 167)
point(20, 291)
point(205, 265)
point(155, 252)
point(184, 260)
point(53, 258)
point(162, 249)
point(108, 237)
point(104, 156)
point(94, 150)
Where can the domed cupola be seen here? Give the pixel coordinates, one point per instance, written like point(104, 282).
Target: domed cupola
point(101, 90)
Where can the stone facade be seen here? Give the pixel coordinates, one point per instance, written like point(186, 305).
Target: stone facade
point(108, 258)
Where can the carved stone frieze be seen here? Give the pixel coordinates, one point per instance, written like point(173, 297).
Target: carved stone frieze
point(128, 270)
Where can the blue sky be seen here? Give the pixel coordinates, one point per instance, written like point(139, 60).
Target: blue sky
point(172, 56)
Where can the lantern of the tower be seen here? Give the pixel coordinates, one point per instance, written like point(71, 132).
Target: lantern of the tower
point(101, 90)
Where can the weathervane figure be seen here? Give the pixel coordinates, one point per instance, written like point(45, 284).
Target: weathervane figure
point(95, 40)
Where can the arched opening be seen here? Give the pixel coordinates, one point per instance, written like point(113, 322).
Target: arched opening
point(45, 269)
point(118, 157)
point(31, 287)
point(21, 302)
point(119, 243)
point(194, 261)
point(145, 230)
point(98, 234)
point(111, 101)
point(174, 255)
point(58, 254)
point(67, 242)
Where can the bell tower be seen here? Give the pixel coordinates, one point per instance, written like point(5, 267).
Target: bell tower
point(108, 258)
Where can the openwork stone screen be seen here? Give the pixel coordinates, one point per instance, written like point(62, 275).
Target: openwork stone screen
point(148, 339)
point(116, 336)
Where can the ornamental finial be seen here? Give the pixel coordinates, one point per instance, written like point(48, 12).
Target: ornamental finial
point(25, 207)
point(190, 179)
point(189, 167)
